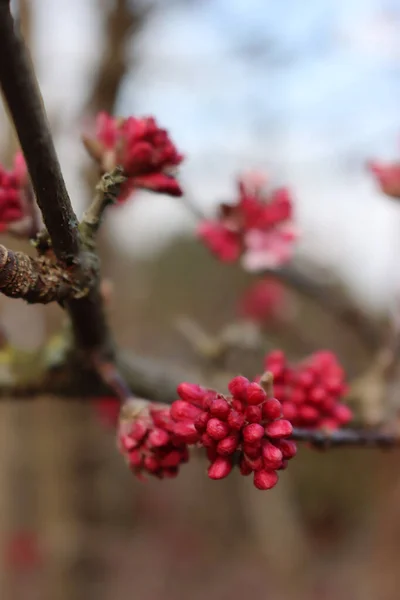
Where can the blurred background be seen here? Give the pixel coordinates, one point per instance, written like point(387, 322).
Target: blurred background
point(307, 92)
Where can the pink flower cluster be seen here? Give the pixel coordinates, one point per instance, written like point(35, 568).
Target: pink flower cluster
point(153, 443)
point(141, 147)
point(12, 184)
point(264, 300)
point(257, 228)
point(310, 392)
point(388, 177)
point(244, 429)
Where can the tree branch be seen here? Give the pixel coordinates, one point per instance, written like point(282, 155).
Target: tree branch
point(24, 101)
point(34, 280)
point(22, 95)
point(325, 440)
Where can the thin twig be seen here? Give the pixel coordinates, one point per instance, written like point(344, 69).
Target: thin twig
point(107, 192)
point(347, 437)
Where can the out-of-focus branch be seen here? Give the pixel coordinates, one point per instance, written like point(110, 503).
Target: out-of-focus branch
point(124, 20)
point(331, 300)
point(22, 95)
point(367, 438)
point(24, 101)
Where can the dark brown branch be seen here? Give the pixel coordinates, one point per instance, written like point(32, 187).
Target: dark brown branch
point(347, 437)
point(124, 19)
point(24, 101)
point(330, 299)
point(34, 280)
point(23, 98)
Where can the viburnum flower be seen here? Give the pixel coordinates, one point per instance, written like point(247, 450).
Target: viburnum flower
point(244, 429)
point(311, 391)
point(388, 177)
point(12, 184)
point(144, 150)
point(264, 300)
point(151, 441)
point(258, 228)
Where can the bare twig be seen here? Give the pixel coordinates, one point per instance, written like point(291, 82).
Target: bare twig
point(347, 437)
point(24, 101)
point(107, 190)
point(22, 95)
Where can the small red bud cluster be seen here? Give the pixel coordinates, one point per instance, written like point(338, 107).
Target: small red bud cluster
point(141, 147)
point(310, 392)
point(244, 428)
point(12, 184)
point(151, 442)
point(264, 300)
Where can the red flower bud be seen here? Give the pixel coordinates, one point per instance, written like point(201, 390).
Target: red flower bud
point(252, 450)
point(172, 459)
point(220, 408)
point(288, 448)
point(238, 387)
point(158, 437)
point(255, 394)
point(244, 467)
point(308, 414)
point(135, 459)
point(271, 409)
point(228, 445)
point(207, 441)
point(191, 393)
point(253, 414)
point(290, 411)
point(217, 429)
point(238, 405)
point(343, 414)
point(253, 433)
point(138, 430)
point(186, 432)
point(279, 428)
point(184, 411)
point(272, 455)
point(317, 395)
point(220, 468)
point(236, 420)
point(254, 463)
point(265, 480)
point(201, 421)
point(151, 464)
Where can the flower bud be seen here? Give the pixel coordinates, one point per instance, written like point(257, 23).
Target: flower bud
point(236, 420)
point(184, 411)
point(238, 387)
point(228, 445)
point(220, 408)
point(271, 409)
point(272, 455)
point(253, 414)
point(253, 433)
point(255, 394)
point(201, 421)
point(265, 480)
point(186, 432)
point(220, 468)
point(191, 393)
point(279, 428)
point(217, 429)
point(158, 437)
point(288, 448)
